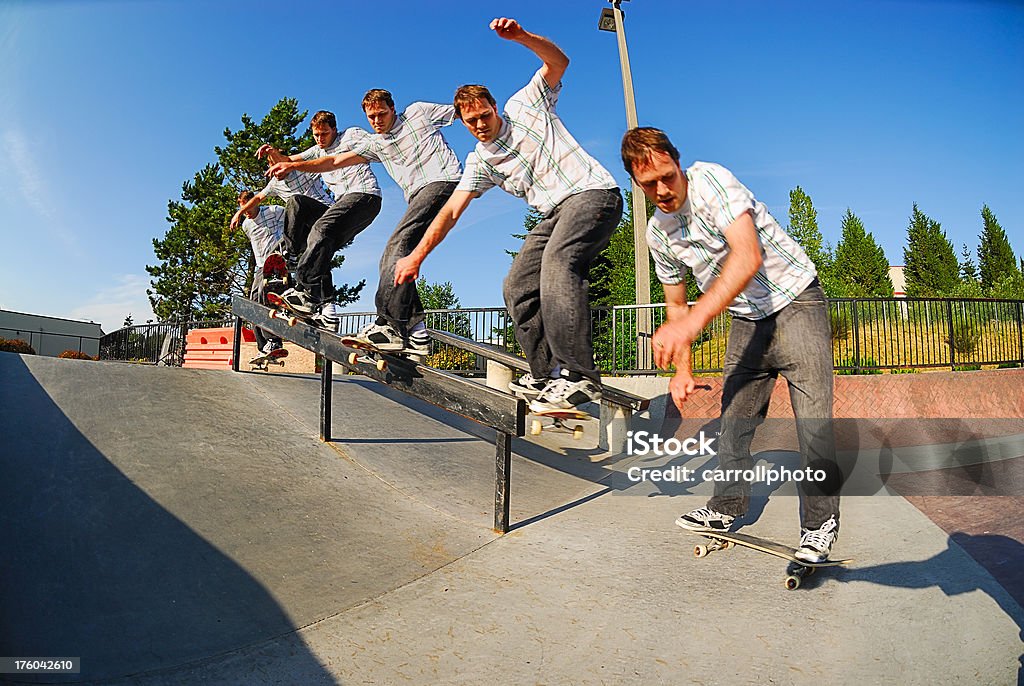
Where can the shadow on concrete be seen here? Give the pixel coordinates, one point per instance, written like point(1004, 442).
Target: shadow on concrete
point(947, 571)
point(93, 567)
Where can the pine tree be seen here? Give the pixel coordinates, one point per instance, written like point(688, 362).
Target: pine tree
point(861, 268)
point(968, 270)
point(201, 263)
point(803, 227)
point(995, 256)
point(931, 268)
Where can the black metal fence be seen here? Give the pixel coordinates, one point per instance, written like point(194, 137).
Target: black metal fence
point(162, 344)
point(867, 334)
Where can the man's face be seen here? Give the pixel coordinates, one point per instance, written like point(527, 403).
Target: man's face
point(482, 120)
point(324, 134)
point(380, 116)
point(662, 181)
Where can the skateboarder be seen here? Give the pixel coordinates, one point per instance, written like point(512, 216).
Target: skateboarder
point(707, 221)
point(315, 231)
point(264, 225)
point(413, 150)
point(526, 150)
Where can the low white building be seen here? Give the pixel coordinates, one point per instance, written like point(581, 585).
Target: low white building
point(51, 335)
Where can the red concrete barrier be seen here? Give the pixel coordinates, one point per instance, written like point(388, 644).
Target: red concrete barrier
point(212, 348)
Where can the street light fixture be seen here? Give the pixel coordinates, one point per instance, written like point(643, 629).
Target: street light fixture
point(612, 20)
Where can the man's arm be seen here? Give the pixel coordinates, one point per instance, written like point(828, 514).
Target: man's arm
point(274, 155)
point(408, 268)
point(555, 61)
point(740, 267)
point(253, 202)
point(676, 309)
point(317, 165)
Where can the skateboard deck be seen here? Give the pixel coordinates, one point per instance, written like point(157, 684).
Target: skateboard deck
point(559, 417)
point(374, 355)
point(275, 357)
point(795, 571)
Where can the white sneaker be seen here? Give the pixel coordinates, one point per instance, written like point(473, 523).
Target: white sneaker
point(564, 393)
point(704, 518)
point(816, 544)
point(299, 301)
point(382, 337)
point(528, 386)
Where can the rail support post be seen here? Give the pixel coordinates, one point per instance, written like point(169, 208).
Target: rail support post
point(502, 483)
point(326, 388)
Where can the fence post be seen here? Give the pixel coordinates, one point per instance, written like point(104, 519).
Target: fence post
point(856, 338)
point(1020, 332)
point(949, 335)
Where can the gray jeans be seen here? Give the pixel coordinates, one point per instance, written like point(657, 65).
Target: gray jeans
point(256, 293)
point(400, 305)
point(546, 289)
point(795, 342)
point(334, 230)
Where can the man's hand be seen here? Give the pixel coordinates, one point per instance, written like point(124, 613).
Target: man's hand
point(681, 386)
point(266, 149)
point(407, 270)
point(509, 29)
point(280, 170)
point(674, 338)
point(236, 219)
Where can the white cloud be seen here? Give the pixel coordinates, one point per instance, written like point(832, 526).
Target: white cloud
point(34, 189)
point(110, 305)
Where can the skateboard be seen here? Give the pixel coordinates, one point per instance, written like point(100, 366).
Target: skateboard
point(795, 571)
point(374, 355)
point(274, 357)
point(559, 417)
point(281, 310)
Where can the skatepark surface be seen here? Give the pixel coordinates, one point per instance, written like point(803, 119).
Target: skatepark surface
point(180, 526)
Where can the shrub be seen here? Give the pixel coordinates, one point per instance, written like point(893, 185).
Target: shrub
point(966, 367)
point(16, 345)
point(852, 362)
point(964, 337)
point(1009, 365)
point(75, 355)
point(841, 325)
point(450, 358)
point(909, 370)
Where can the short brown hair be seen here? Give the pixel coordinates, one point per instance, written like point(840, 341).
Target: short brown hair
point(324, 117)
point(465, 95)
point(378, 95)
point(245, 196)
point(640, 143)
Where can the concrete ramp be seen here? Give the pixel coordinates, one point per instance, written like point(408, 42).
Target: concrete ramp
point(153, 517)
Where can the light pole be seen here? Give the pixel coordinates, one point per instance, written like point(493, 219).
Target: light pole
point(612, 20)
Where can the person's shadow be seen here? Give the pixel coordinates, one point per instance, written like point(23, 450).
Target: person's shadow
point(1002, 556)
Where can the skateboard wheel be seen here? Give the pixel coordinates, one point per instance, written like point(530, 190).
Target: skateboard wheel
point(353, 358)
point(792, 582)
point(292, 321)
point(382, 365)
point(728, 544)
point(536, 427)
point(577, 433)
point(700, 550)
point(273, 314)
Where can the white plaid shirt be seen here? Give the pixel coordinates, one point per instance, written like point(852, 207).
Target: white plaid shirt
point(534, 156)
point(414, 152)
point(298, 183)
point(694, 237)
point(358, 178)
point(264, 232)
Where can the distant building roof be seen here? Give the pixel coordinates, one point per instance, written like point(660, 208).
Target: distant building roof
point(899, 282)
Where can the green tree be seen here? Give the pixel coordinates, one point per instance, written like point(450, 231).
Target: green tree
point(968, 270)
point(995, 256)
point(803, 227)
point(193, 280)
point(441, 296)
point(201, 263)
point(931, 268)
point(860, 269)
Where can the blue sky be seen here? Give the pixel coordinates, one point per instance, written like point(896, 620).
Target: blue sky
point(109, 106)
